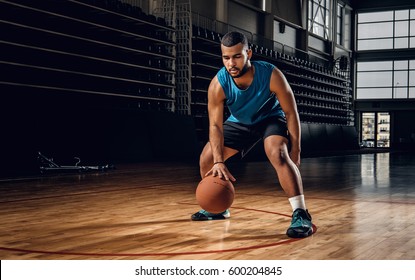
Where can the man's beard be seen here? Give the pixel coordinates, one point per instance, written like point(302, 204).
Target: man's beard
point(242, 72)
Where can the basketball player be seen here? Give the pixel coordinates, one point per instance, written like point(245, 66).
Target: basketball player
point(262, 107)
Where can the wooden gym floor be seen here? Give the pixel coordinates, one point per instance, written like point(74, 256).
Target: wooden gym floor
point(363, 207)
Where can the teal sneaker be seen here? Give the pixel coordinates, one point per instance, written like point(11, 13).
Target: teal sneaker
point(203, 215)
point(301, 225)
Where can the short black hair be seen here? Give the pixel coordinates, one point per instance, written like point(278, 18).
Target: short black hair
point(233, 38)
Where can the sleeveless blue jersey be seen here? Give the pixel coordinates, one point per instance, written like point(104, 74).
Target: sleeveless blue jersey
point(254, 104)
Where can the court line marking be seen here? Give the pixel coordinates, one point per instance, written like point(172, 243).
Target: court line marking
point(247, 248)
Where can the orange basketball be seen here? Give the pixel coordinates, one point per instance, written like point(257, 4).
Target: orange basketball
point(214, 194)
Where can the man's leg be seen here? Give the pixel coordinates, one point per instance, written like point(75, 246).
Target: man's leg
point(289, 176)
point(290, 179)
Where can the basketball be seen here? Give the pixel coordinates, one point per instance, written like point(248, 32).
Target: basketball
point(214, 194)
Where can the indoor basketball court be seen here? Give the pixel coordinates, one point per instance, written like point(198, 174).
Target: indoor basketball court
point(104, 115)
point(362, 207)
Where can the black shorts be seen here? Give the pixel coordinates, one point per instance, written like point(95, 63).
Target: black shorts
point(244, 137)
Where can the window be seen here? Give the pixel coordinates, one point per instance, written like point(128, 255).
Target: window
point(393, 79)
point(340, 24)
point(374, 80)
point(386, 30)
point(319, 18)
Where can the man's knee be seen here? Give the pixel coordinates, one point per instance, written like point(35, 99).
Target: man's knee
point(276, 149)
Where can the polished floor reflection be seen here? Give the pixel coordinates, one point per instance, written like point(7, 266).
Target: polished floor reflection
point(363, 207)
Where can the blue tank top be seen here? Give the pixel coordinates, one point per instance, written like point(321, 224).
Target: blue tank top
point(254, 104)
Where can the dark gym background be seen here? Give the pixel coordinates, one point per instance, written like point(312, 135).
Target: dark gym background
point(125, 81)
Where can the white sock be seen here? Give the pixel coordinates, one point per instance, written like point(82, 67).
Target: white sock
point(297, 202)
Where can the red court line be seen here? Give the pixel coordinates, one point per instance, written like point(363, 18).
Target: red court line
point(273, 244)
point(150, 254)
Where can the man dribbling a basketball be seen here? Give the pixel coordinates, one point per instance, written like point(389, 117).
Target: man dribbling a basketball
point(262, 106)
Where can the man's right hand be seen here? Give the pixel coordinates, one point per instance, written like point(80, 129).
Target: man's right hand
point(219, 169)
